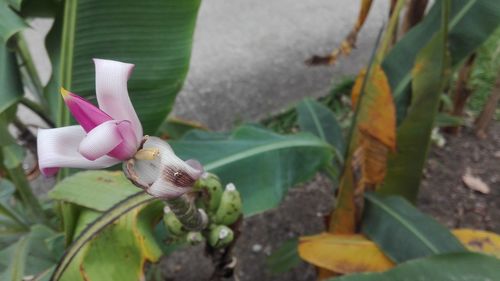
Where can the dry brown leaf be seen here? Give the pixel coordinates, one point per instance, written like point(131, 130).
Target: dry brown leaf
point(475, 183)
point(349, 42)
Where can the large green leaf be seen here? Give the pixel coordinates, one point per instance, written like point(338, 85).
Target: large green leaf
point(11, 88)
point(262, 164)
point(404, 168)
point(471, 23)
point(154, 35)
point(115, 245)
point(447, 267)
point(403, 232)
point(120, 250)
point(97, 190)
point(319, 120)
point(10, 21)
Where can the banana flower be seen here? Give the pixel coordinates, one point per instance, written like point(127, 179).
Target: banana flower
point(112, 133)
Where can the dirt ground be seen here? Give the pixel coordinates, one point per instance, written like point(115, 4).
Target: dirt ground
point(443, 195)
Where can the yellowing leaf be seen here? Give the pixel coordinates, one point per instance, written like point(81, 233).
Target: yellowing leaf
point(355, 253)
point(343, 253)
point(374, 134)
point(479, 241)
point(378, 118)
point(125, 245)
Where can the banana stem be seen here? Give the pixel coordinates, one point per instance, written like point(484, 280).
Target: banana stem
point(185, 210)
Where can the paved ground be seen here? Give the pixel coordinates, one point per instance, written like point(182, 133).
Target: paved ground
point(248, 55)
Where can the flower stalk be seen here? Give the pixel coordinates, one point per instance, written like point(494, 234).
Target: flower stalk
point(185, 210)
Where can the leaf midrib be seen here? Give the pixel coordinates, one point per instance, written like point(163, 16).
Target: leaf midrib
point(400, 219)
point(19, 256)
point(262, 149)
point(317, 124)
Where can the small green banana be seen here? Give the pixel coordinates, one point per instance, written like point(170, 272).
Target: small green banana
point(230, 206)
point(174, 226)
point(212, 191)
point(220, 236)
point(194, 237)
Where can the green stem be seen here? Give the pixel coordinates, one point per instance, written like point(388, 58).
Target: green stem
point(186, 212)
point(30, 201)
point(38, 110)
point(389, 33)
point(6, 210)
point(26, 137)
point(32, 79)
point(66, 67)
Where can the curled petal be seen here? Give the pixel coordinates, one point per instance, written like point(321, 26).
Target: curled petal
point(59, 148)
point(112, 138)
point(112, 94)
point(166, 176)
point(84, 112)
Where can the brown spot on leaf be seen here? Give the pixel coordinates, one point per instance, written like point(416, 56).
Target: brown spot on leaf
point(104, 180)
point(479, 243)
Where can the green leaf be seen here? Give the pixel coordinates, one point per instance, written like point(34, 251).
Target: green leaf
point(10, 22)
point(447, 267)
point(319, 120)
point(12, 160)
point(403, 232)
point(471, 23)
point(53, 46)
point(80, 190)
point(446, 120)
point(128, 244)
point(174, 128)
point(404, 168)
point(11, 88)
point(125, 211)
point(7, 189)
point(14, 259)
point(15, 4)
point(97, 190)
point(40, 257)
point(13, 156)
point(285, 257)
point(262, 164)
point(155, 35)
point(28, 256)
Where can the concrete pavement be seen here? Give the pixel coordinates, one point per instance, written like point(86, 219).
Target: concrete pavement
point(248, 55)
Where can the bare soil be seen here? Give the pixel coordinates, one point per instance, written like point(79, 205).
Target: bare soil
point(443, 195)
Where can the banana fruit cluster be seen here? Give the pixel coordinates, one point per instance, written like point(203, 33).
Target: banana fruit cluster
point(223, 207)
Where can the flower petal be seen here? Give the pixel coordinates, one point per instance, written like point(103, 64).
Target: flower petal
point(112, 94)
point(59, 148)
point(114, 138)
point(84, 112)
point(167, 176)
